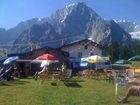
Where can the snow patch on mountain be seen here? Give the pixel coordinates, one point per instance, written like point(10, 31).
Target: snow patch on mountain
point(70, 5)
point(67, 11)
point(65, 16)
point(135, 35)
point(39, 19)
point(131, 27)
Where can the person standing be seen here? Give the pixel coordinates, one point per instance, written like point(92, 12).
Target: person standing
point(63, 68)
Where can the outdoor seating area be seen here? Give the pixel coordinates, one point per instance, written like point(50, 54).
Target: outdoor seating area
point(92, 74)
point(53, 73)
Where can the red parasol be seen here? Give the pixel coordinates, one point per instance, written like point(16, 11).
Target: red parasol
point(47, 57)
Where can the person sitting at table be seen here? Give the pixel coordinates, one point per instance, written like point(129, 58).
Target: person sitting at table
point(45, 69)
point(131, 90)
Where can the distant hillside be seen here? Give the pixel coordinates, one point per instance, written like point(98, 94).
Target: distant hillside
point(37, 35)
point(4, 35)
point(9, 36)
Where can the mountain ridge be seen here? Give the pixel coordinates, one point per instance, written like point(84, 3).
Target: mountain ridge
point(9, 36)
point(73, 22)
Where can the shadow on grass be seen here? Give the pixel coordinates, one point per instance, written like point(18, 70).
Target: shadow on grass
point(76, 80)
point(54, 84)
point(72, 84)
point(16, 81)
point(73, 80)
point(5, 84)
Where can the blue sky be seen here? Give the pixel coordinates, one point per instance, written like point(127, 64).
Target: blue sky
point(14, 11)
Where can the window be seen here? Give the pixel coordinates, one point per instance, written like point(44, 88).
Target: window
point(91, 54)
point(85, 47)
point(79, 54)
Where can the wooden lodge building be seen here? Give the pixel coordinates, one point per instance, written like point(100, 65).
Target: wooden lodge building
point(25, 59)
point(70, 54)
point(81, 49)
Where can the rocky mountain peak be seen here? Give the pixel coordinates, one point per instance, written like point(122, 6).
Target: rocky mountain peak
point(73, 22)
point(81, 8)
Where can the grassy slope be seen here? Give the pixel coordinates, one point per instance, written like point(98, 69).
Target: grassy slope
point(85, 92)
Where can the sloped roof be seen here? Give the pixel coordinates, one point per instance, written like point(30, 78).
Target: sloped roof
point(29, 52)
point(81, 41)
point(35, 53)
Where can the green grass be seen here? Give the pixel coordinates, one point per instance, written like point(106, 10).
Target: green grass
point(79, 92)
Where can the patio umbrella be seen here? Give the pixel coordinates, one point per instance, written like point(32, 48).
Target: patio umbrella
point(93, 59)
point(135, 58)
point(10, 60)
point(46, 59)
point(122, 62)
